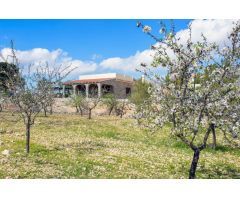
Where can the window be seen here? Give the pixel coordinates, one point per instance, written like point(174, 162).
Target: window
point(128, 91)
point(107, 89)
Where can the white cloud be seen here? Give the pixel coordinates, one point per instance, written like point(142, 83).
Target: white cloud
point(37, 56)
point(215, 30)
point(34, 55)
point(128, 64)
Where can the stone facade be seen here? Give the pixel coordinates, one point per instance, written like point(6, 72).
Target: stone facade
point(121, 89)
point(99, 85)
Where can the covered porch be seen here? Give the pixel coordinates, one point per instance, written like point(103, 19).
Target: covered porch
point(87, 88)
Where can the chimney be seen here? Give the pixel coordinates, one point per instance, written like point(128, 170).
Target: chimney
point(143, 79)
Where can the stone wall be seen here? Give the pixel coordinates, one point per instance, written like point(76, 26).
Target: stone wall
point(119, 87)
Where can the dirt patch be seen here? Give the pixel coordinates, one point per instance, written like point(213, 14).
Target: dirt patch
point(62, 105)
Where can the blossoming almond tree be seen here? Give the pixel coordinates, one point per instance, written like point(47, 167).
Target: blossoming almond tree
point(26, 98)
point(47, 76)
point(27, 90)
point(77, 101)
point(200, 94)
point(89, 104)
point(110, 101)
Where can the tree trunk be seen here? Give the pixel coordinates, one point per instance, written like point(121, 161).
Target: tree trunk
point(110, 111)
point(51, 110)
point(214, 136)
point(193, 168)
point(121, 115)
point(81, 111)
point(77, 111)
point(1, 108)
point(174, 120)
point(28, 126)
point(89, 114)
point(45, 112)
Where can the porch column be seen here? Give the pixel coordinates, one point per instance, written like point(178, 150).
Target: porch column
point(87, 90)
point(74, 89)
point(63, 91)
point(99, 90)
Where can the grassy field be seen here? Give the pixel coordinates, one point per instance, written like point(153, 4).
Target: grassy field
point(70, 146)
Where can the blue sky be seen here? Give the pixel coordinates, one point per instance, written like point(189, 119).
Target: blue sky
point(81, 38)
point(91, 41)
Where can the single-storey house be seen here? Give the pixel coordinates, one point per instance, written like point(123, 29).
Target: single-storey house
point(98, 85)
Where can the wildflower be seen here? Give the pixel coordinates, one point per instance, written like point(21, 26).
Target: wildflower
point(6, 152)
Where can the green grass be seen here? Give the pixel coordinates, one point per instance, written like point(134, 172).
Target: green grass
point(70, 146)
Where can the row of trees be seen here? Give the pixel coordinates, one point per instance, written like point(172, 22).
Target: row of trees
point(200, 95)
point(29, 91)
point(86, 105)
point(83, 104)
point(119, 107)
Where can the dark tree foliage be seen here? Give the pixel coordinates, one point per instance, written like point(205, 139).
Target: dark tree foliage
point(110, 101)
point(6, 69)
point(140, 93)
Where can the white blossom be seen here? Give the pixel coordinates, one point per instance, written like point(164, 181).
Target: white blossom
point(174, 76)
point(147, 29)
point(190, 106)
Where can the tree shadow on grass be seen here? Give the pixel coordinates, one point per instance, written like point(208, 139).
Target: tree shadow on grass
point(219, 171)
point(83, 147)
point(223, 149)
